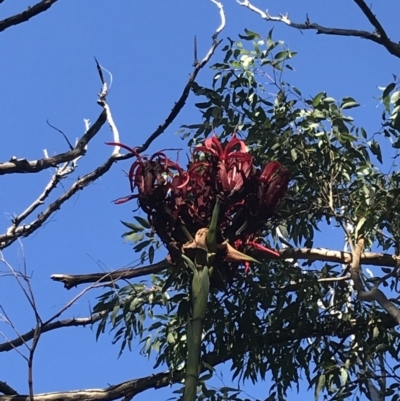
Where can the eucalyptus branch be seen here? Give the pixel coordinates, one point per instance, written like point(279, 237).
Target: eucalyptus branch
point(26, 15)
point(374, 294)
point(61, 173)
point(310, 254)
point(34, 166)
point(6, 389)
point(58, 324)
point(27, 229)
point(71, 281)
point(379, 36)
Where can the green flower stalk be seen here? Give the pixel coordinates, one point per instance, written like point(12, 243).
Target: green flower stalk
point(205, 250)
point(200, 290)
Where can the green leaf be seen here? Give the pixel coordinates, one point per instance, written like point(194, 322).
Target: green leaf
point(134, 237)
point(396, 145)
point(141, 245)
point(359, 225)
point(349, 105)
point(144, 222)
point(114, 314)
point(151, 254)
point(171, 338)
point(320, 386)
point(395, 97)
point(317, 99)
point(376, 149)
point(388, 89)
point(344, 375)
point(297, 91)
point(133, 227)
point(250, 35)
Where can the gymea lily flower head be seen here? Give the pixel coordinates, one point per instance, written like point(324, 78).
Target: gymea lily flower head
point(179, 202)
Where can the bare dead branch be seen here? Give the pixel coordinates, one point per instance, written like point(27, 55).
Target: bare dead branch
point(373, 20)
point(102, 101)
point(311, 254)
point(74, 322)
point(186, 91)
point(54, 181)
point(130, 388)
point(26, 15)
point(71, 281)
point(378, 37)
point(27, 229)
point(25, 166)
point(6, 389)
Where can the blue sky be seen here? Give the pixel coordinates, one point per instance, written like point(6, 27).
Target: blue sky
point(48, 72)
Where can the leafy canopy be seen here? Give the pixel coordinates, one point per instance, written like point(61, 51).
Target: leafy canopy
point(286, 321)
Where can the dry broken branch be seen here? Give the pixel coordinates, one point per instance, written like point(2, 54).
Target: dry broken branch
point(6, 389)
point(74, 322)
point(378, 36)
point(26, 15)
point(34, 166)
point(27, 229)
point(71, 281)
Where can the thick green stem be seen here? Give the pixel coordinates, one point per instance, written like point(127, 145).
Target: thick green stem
point(200, 290)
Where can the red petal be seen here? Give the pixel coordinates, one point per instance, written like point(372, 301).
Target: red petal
point(125, 199)
point(231, 144)
point(262, 248)
point(246, 268)
point(269, 171)
point(121, 145)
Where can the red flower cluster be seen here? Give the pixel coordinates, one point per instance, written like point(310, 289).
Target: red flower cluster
point(180, 202)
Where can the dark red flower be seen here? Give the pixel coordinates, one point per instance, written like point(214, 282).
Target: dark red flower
point(180, 202)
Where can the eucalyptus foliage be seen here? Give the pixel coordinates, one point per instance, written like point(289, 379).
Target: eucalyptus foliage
point(286, 322)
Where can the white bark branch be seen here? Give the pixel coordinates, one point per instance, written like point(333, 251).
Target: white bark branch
point(379, 36)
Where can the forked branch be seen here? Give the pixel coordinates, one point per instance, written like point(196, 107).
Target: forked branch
point(378, 36)
point(15, 165)
point(374, 294)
